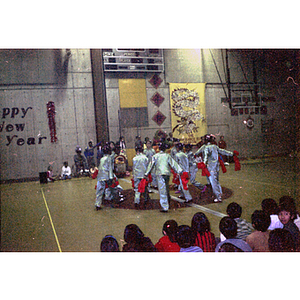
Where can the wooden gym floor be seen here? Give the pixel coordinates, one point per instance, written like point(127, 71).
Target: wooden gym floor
point(60, 216)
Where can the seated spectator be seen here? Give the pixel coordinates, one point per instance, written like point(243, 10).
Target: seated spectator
point(185, 238)
point(291, 201)
point(205, 239)
point(228, 227)
point(93, 170)
point(81, 167)
point(227, 247)
point(65, 171)
point(109, 244)
point(287, 214)
point(50, 176)
point(244, 228)
point(258, 240)
point(112, 146)
point(270, 206)
point(136, 241)
point(281, 240)
point(168, 243)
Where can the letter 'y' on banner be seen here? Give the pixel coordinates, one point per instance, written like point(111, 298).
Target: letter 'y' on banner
point(188, 113)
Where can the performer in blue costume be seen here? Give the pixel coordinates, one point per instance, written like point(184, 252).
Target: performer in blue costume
point(140, 163)
point(162, 163)
point(211, 159)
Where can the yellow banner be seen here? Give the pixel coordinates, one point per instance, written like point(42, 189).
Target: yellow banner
point(188, 111)
point(132, 93)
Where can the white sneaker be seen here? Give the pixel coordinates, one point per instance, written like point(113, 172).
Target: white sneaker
point(218, 200)
point(226, 164)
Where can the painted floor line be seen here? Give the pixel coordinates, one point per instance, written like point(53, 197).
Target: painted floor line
point(204, 209)
point(264, 183)
point(210, 211)
point(51, 220)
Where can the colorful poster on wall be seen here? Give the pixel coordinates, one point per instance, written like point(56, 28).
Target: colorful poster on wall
point(188, 111)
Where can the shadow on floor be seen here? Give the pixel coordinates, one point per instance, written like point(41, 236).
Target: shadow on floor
point(198, 198)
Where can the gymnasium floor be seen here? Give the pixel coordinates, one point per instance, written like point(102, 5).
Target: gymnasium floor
point(60, 216)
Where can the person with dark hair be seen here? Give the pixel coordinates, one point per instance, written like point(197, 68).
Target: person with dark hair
point(139, 166)
point(270, 206)
point(168, 243)
point(183, 161)
point(109, 244)
point(112, 146)
point(115, 191)
point(50, 176)
point(205, 239)
point(147, 139)
point(281, 240)
point(185, 238)
point(122, 145)
point(93, 171)
point(223, 145)
point(229, 248)
point(228, 227)
point(234, 211)
point(258, 240)
point(291, 201)
point(81, 166)
point(138, 142)
point(105, 176)
point(136, 240)
point(66, 171)
point(173, 149)
point(89, 153)
point(287, 214)
point(211, 154)
point(162, 163)
point(200, 147)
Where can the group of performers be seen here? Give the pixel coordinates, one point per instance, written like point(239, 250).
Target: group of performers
point(151, 168)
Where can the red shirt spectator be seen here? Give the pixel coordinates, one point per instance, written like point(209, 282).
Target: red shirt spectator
point(206, 241)
point(165, 245)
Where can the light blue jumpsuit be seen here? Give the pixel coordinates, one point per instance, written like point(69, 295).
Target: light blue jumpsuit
point(201, 151)
point(149, 153)
point(140, 163)
point(173, 152)
point(211, 159)
point(105, 173)
point(116, 190)
point(163, 162)
point(193, 170)
point(183, 161)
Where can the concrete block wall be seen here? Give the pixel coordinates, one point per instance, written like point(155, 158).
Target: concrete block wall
point(26, 153)
point(113, 107)
point(32, 77)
